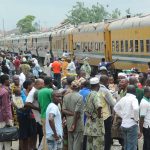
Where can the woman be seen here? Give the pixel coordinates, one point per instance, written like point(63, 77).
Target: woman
point(24, 119)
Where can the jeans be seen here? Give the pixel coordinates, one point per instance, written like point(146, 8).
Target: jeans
point(146, 134)
point(55, 145)
point(107, 137)
point(57, 77)
point(130, 136)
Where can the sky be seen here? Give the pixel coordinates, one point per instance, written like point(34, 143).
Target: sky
point(51, 12)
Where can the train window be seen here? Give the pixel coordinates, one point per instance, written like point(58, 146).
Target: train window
point(126, 45)
point(136, 46)
point(122, 46)
point(142, 45)
point(117, 46)
point(148, 45)
point(96, 46)
point(99, 46)
point(131, 46)
point(113, 46)
point(91, 46)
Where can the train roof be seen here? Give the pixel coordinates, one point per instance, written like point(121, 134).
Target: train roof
point(92, 27)
point(134, 22)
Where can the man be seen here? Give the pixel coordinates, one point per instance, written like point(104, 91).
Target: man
point(103, 63)
point(44, 99)
point(25, 67)
point(73, 109)
point(33, 104)
point(145, 118)
point(142, 79)
point(102, 71)
point(139, 92)
point(71, 67)
point(54, 130)
point(108, 103)
point(86, 67)
point(128, 109)
point(17, 64)
point(5, 108)
point(116, 130)
point(56, 67)
point(84, 91)
point(94, 124)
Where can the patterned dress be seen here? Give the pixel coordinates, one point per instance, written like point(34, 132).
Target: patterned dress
point(94, 128)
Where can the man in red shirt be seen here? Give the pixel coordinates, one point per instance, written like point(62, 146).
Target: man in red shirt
point(56, 67)
point(17, 65)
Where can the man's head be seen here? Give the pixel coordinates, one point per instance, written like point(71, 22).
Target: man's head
point(70, 79)
point(94, 82)
point(28, 84)
point(133, 81)
point(4, 80)
point(123, 84)
point(57, 97)
point(131, 89)
point(142, 77)
point(75, 85)
point(121, 76)
point(147, 82)
point(39, 83)
point(103, 60)
point(48, 82)
point(103, 70)
point(147, 91)
point(104, 80)
point(16, 80)
point(82, 74)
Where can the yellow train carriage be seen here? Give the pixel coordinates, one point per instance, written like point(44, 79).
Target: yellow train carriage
point(130, 42)
point(88, 41)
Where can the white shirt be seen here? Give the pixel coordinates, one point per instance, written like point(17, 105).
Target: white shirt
point(30, 99)
point(53, 109)
point(22, 78)
point(128, 109)
point(145, 112)
point(71, 67)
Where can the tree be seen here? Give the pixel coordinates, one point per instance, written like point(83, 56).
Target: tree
point(116, 13)
point(25, 25)
point(78, 14)
point(96, 13)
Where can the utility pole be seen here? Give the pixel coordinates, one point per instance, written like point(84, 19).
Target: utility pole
point(3, 27)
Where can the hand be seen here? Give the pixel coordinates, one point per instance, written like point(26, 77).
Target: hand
point(56, 137)
point(72, 129)
point(139, 135)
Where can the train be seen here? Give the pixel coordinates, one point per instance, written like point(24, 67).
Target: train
point(126, 39)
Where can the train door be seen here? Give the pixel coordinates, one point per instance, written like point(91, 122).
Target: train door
point(70, 44)
point(107, 44)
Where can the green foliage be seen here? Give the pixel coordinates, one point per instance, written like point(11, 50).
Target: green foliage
point(25, 24)
point(96, 13)
point(116, 13)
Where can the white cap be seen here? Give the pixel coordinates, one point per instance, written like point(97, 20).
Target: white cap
point(24, 59)
point(94, 80)
point(122, 74)
point(103, 68)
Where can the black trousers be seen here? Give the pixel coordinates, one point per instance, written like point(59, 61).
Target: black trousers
point(146, 134)
point(107, 137)
point(57, 77)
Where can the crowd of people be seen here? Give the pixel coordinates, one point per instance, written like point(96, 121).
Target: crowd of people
point(62, 106)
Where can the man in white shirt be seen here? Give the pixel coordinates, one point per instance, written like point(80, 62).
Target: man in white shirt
point(128, 109)
point(71, 67)
point(54, 130)
point(145, 118)
point(34, 105)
